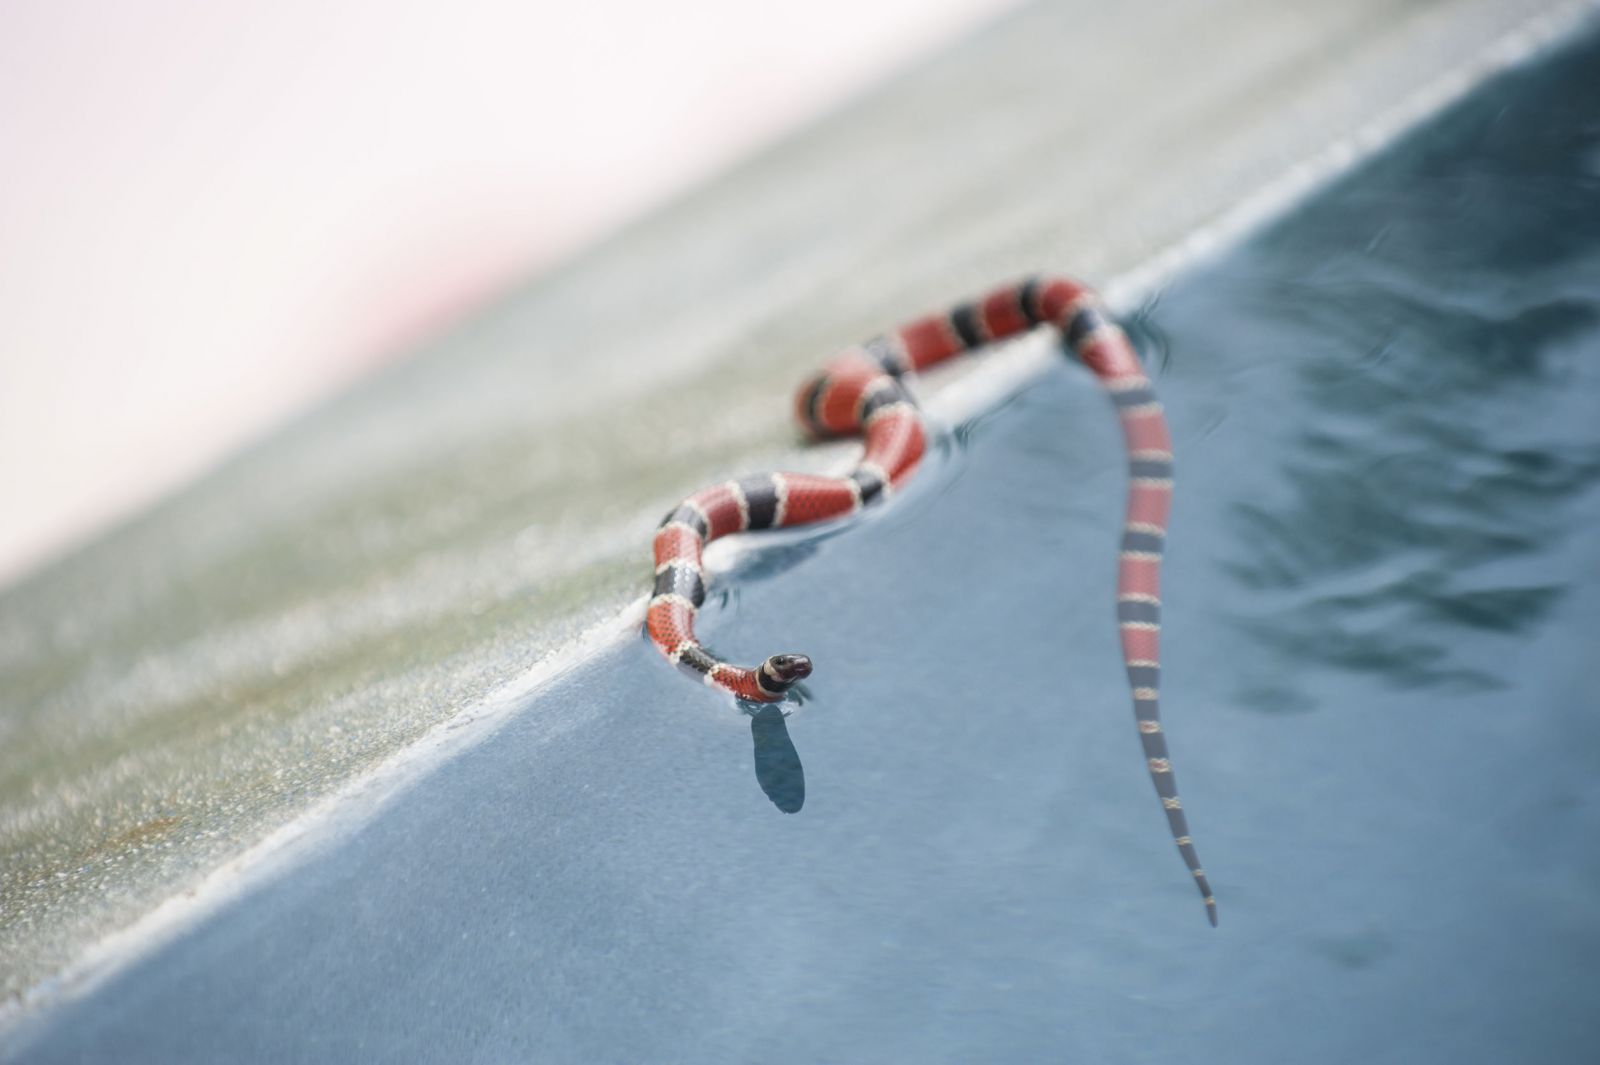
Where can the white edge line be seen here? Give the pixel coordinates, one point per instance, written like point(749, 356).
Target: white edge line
point(357, 801)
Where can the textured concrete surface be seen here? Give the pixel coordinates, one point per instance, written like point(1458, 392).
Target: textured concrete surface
point(175, 691)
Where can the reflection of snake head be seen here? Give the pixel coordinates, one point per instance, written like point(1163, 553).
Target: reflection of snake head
point(780, 672)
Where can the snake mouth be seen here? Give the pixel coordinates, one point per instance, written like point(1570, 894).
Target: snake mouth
point(787, 669)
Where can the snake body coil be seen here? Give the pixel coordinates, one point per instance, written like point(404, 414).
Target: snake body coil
point(860, 390)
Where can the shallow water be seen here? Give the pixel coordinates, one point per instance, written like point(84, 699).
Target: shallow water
point(1381, 594)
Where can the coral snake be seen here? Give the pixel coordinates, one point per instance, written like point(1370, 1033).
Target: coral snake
point(862, 390)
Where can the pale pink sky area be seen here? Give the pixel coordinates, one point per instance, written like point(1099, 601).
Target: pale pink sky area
point(211, 214)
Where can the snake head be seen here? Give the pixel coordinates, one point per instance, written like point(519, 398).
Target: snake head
point(781, 671)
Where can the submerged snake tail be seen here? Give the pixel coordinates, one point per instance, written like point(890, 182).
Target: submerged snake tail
point(1102, 346)
point(860, 391)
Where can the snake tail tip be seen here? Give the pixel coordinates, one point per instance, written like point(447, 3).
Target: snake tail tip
point(1211, 912)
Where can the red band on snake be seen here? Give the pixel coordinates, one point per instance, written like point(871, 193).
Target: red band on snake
point(860, 391)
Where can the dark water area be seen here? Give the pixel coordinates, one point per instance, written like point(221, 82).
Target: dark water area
point(1382, 589)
